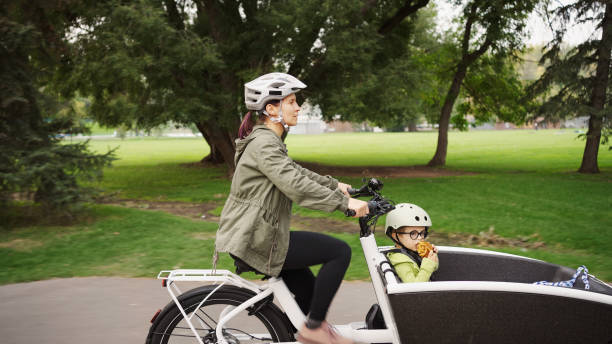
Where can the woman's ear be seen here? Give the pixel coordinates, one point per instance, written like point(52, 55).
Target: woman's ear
point(271, 110)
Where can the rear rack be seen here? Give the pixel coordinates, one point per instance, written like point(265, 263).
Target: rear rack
point(207, 275)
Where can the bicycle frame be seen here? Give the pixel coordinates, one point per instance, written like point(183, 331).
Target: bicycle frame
point(278, 288)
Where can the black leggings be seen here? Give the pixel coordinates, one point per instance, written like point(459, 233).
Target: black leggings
point(314, 295)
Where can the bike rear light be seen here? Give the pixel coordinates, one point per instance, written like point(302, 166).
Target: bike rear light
point(155, 316)
point(164, 283)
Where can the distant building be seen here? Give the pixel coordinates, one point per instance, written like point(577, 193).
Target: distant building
point(538, 123)
point(309, 121)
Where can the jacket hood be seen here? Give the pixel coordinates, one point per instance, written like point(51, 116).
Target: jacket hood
point(241, 144)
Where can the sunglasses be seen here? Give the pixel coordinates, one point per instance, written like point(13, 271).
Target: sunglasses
point(414, 235)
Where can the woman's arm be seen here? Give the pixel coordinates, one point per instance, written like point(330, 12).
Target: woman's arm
point(327, 181)
point(276, 165)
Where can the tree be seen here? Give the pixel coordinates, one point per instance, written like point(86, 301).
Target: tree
point(381, 77)
point(577, 82)
point(147, 62)
point(493, 90)
point(496, 26)
point(33, 160)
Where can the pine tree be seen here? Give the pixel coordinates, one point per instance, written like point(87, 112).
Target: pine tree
point(34, 162)
point(577, 82)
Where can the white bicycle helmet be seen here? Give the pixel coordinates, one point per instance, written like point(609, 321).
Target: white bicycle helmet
point(406, 214)
point(271, 86)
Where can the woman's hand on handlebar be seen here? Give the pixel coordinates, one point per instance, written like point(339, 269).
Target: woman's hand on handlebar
point(360, 207)
point(344, 188)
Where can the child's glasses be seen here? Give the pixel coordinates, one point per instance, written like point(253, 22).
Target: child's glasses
point(414, 235)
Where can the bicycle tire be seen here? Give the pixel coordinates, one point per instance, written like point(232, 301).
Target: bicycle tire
point(264, 315)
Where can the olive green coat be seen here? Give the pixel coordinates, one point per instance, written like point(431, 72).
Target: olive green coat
point(254, 224)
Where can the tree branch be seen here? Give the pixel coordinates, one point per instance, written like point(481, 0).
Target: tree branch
point(299, 61)
point(476, 54)
point(467, 33)
point(408, 9)
point(173, 15)
point(367, 6)
point(212, 12)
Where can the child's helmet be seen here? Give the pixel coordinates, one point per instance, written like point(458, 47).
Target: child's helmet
point(406, 214)
point(271, 86)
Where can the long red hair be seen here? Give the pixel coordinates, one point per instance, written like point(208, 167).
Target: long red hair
point(246, 126)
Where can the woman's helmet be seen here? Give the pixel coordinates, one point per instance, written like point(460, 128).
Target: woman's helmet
point(406, 214)
point(271, 86)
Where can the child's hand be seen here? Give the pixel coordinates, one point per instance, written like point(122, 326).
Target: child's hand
point(433, 254)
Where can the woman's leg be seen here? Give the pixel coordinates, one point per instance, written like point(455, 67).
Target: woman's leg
point(308, 249)
point(301, 283)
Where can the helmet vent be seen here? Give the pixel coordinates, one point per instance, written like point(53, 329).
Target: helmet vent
point(425, 218)
point(277, 84)
point(416, 217)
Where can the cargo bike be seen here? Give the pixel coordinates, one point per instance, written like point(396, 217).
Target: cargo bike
point(476, 296)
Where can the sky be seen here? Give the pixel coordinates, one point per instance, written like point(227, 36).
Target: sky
point(539, 30)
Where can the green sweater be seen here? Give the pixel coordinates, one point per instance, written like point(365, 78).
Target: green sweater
point(408, 270)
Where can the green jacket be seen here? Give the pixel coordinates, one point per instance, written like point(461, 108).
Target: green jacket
point(408, 270)
point(254, 224)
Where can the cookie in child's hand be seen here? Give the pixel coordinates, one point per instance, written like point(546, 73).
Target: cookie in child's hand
point(423, 248)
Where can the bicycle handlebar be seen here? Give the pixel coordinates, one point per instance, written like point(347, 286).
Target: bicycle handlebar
point(377, 205)
point(371, 205)
point(349, 213)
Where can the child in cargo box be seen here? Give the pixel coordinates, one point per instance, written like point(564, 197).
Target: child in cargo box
point(407, 225)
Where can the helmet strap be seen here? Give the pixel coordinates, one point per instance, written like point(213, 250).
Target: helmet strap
point(397, 241)
point(278, 119)
point(414, 255)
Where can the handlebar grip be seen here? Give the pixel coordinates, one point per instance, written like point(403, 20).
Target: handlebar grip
point(350, 213)
point(372, 206)
point(352, 191)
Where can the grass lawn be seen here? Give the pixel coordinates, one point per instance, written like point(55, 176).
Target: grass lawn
point(525, 183)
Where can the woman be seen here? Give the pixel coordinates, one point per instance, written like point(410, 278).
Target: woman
point(254, 225)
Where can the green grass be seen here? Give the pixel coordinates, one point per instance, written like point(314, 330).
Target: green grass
point(525, 183)
point(112, 241)
point(483, 151)
point(115, 241)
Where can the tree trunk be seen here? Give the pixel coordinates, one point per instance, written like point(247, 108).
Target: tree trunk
point(214, 157)
point(220, 142)
point(439, 159)
point(591, 149)
point(598, 96)
point(412, 126)
point(467, 58)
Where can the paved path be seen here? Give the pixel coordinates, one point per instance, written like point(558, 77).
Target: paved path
point(98, 310)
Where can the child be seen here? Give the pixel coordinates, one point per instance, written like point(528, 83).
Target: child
point(407, 225)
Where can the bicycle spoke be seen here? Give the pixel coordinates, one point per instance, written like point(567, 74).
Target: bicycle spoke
point(175, 335)
point(248, 334)
point(204, 321)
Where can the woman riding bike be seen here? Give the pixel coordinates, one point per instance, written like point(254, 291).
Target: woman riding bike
point(254, 224)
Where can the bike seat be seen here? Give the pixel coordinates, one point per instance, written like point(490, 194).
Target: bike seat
point(242, 266)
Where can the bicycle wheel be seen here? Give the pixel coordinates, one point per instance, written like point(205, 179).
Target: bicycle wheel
point(262, 323)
